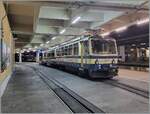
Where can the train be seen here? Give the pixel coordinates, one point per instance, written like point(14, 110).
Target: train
point(90, 56)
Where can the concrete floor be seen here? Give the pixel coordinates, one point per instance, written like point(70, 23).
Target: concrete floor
point(27, 93)
point(134, 75)
point(109, 98)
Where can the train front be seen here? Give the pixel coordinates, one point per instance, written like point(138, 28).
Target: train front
point(104, 58)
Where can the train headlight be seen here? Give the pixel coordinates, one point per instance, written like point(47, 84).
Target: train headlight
point(99, 66)
point(110, 65)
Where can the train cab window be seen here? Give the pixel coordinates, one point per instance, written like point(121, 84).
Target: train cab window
point(86, 47)
point(103, 47)
point(75, 49)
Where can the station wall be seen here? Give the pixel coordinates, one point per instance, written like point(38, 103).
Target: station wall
point(6, 49)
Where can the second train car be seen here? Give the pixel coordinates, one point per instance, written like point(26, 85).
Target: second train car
point(92, 56)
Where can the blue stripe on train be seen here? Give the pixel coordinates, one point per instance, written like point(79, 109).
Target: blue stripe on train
point(93, 67)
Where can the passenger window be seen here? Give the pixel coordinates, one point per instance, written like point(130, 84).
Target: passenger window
point(48, 55)
point(70, 50)
point(66, 50)
point(75, 49)
point(58, 52)
point(86, 47)
point(62, 51)
point(53, 54)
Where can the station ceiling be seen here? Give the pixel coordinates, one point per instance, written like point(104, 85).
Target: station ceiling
point(35, 23)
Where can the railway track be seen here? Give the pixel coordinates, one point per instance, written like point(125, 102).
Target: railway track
point(129, 88)
point(76, 103)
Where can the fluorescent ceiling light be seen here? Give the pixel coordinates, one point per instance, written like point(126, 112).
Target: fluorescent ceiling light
point(143, 21)
point(105, 34)
point(121, 29)
point(142, 43)
point(41, 44)
point(76, 20)
point(133, 45)
point(53, 38)
point(35, 47)
point(47, 42)
point(62, 31)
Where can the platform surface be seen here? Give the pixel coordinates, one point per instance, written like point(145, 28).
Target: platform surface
point(134, 75)
point(27, 93)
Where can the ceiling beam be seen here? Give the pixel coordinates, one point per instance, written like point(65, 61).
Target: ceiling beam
point(101, 5)
point(35, 18)
point(51, 22)
point(31, 33)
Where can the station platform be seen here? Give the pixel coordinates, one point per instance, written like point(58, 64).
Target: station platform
point(134, 75)
point(27, 93)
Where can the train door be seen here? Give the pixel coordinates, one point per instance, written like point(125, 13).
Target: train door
point(86, 51)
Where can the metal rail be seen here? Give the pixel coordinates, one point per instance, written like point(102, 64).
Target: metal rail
point(129, 88)
point(76, 103)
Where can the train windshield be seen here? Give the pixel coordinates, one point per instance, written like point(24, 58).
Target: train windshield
point(103, 47)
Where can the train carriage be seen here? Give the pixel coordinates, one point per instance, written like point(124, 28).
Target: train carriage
point(93, 56)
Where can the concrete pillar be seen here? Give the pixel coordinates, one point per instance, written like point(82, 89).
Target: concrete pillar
point(122, 53)
point(20, 57)
point(37, 56)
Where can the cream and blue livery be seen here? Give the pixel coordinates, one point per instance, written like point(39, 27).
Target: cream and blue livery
point(93, 56)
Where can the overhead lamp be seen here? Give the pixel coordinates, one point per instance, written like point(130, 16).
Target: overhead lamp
point(142, 43)
point(131, 49)
point(41, 44)
point(35, 47)
point(76, 20)
point(53, 38)
point(121, 29)
point(62, 31)
point(47, 42)
point(143, 21)
point(105, 34)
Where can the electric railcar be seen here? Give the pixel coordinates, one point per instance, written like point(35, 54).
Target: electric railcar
point(93, 56)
